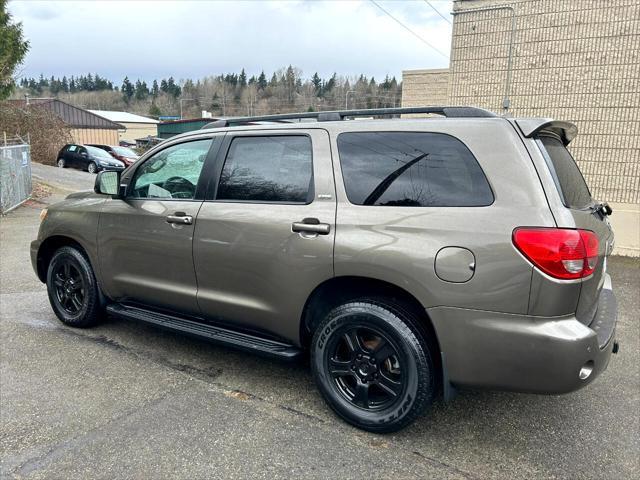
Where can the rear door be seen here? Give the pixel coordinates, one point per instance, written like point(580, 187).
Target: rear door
point(71, 155)
point(264, 236)
point(576, 197)
point(145, 240)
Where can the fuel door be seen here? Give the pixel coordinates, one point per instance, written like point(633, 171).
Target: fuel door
point(455, 264)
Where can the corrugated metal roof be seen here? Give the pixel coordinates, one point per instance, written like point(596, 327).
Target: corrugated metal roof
point(125, 117)
point(75, 117)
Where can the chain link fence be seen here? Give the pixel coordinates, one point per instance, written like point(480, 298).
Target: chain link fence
point(15, 172)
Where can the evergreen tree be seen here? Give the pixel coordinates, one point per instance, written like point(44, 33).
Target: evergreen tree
point(317, 84)
point(127, 90)
point(242, 79)
point(262, 81)
point(154, 110)
point(155, 89)
point(173, 89)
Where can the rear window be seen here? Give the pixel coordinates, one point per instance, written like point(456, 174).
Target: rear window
point(565, 172)
point(98, 152)
point(411, 169)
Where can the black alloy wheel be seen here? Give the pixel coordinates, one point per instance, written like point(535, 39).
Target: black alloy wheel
point(373, 365)
point(73, 290)
point(366, 368)
point(69, 287)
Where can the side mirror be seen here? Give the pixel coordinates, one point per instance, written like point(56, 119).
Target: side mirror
point(107, 183)
point(83, 154)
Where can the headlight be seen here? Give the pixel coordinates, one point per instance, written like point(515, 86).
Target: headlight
point(43, 214)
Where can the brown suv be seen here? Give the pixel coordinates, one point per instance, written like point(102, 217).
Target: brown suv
point(407, 256)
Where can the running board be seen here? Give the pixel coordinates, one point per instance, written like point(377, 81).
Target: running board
point(216, 334)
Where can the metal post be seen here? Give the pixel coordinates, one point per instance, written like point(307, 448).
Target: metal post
point(346, 99)
point(506, 102)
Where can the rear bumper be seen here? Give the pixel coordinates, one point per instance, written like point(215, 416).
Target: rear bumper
point(524, 353)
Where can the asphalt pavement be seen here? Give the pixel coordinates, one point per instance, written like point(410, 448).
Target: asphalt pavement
point(124, 400)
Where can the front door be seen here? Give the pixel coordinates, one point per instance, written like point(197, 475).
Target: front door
point(264, 238)
point(145, 239)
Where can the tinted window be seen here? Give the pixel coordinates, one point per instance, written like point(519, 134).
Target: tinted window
point(411, 169)
point(565, 172)
point(267, 169)
point(124, 151)
point(172, 172)
point(98, 152)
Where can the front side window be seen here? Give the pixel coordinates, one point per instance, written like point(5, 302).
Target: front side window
point(172, 173)
point(267, 169)
point(411, 169)
point(566, 174)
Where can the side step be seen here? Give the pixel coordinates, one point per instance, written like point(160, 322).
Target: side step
point(216, 334)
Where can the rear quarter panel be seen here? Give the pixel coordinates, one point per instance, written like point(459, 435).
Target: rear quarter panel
point(399, 244)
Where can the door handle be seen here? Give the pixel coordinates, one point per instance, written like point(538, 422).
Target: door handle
point(180, 218)
point(311, 225)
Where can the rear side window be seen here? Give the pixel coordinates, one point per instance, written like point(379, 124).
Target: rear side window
point(566, 174)
point(268, 169)
point(411, 169)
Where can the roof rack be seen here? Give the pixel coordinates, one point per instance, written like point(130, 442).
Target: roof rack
point(336, 115)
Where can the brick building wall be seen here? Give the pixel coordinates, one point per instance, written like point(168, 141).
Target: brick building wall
point(575, 60)
point(417, 82)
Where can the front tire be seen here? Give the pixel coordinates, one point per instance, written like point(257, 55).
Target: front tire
point(61, 163)
point(73, 289)
point(372, 365)
point(92, 168)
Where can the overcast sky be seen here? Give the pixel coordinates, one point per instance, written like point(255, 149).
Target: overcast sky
point(193, 39)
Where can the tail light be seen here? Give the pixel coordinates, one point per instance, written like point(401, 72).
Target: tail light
point(559, 252)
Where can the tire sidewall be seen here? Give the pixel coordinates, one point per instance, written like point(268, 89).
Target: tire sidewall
point(61, 163)
point(407, 347)
point(88, 310)
point(95, 168)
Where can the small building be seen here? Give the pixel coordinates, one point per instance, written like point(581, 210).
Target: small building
point(169, 129)
point(86, 127)
point(147, 142)
point(134, 126)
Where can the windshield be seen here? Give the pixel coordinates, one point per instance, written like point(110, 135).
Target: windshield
point(125, 152)
point(97, 152)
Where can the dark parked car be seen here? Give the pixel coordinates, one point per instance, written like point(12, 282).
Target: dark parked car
point(87, 158)
point(405, 257)
point(124, 154)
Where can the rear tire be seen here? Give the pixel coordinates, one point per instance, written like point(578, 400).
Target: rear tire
point(372, 365)
point(92, 168)
point(73, 290)
point(61, 163)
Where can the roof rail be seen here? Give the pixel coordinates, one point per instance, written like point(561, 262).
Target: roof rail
point(336, 115)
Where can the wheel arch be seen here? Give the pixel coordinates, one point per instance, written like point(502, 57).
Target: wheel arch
point(337, 290)
point(49, 246)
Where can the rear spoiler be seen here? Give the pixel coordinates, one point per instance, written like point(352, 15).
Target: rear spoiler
point(530, 127)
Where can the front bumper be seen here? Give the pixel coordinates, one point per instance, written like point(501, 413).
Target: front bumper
point(35, 246)
point(524, 353)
